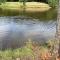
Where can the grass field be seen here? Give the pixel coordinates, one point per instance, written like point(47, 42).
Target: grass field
point(30, 6)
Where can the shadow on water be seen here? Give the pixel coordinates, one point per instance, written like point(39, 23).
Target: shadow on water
point(15, 29)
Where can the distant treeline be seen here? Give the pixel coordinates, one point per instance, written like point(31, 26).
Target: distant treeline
point(52, 3)
point(30, 0)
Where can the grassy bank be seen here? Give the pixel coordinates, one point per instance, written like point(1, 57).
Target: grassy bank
point(31, 51)
point(30, 6)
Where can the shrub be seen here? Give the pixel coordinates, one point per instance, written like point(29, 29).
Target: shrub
point(53, 3)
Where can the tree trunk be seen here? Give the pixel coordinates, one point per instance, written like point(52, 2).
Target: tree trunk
point(58, 28)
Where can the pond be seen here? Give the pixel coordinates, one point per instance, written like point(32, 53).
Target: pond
point(17, 27)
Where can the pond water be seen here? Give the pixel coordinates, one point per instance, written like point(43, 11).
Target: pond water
point(16, 29)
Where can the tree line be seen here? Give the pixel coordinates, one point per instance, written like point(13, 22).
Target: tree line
point(52, 3)
point(27, 0)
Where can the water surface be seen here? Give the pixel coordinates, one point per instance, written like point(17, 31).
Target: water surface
point(14, 32)
point(17, 27)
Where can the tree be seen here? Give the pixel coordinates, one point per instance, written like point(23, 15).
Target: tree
point(2, 1)
point(24, 1)
point(58, 29)
point(53, 3)
point(24, 5)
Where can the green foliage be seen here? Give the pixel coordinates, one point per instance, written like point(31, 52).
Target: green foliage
point(24, 4)
point(6, 55)
point(2, 1)
point(53, 3)
point(29, 51)
point(24, 1)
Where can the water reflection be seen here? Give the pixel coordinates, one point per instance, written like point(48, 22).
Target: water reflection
point(47, 15)
point(14, 32)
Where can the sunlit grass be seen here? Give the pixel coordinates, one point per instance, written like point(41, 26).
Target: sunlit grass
point(30, 6)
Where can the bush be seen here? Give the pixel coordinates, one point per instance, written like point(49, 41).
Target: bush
point(2, 1)
point(53, 3)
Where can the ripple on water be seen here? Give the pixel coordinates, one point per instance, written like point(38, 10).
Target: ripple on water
point(14, 31)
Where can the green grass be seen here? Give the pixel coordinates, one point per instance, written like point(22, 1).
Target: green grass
point(16, 53)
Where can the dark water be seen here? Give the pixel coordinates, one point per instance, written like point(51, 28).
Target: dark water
point(16, 29)
point(47, 15)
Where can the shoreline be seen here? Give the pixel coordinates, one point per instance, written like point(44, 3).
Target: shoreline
point(30, 6)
